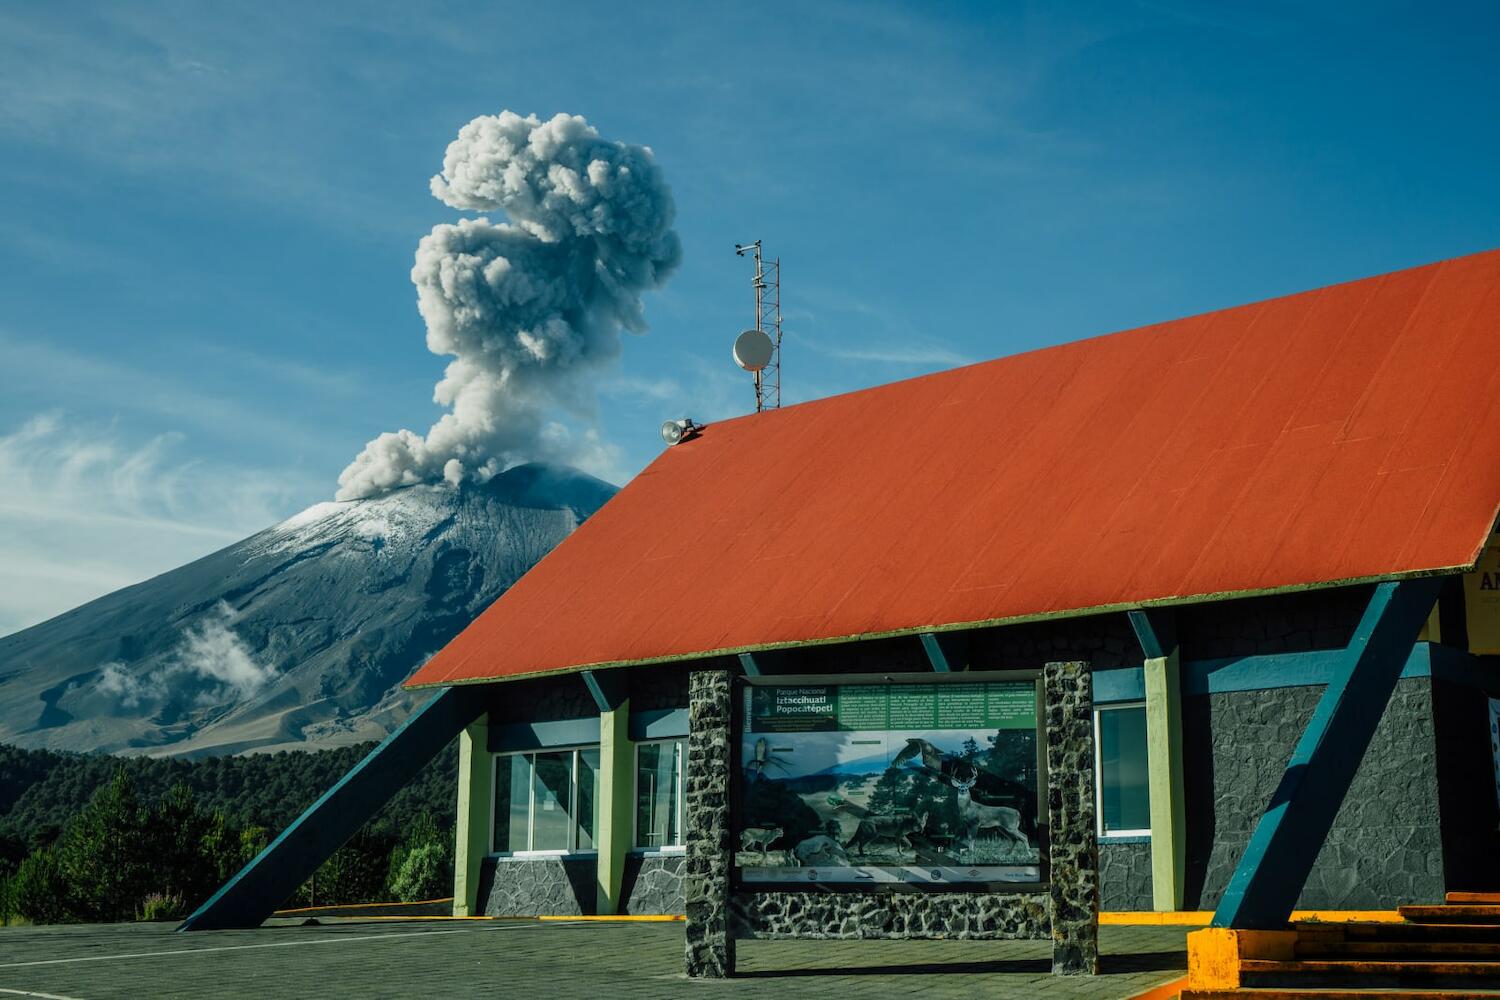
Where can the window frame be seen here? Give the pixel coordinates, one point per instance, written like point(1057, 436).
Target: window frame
point(502, 759)
point(680, 803)
point(1100, 832)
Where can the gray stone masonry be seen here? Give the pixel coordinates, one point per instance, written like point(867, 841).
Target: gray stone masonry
point(957, 916)
point(653, 884)
point(1073, 852)
point(710, 949)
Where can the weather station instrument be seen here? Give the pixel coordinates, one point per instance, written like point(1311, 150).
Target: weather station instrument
point(758, 350)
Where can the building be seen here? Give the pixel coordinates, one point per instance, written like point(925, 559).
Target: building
point(1262, 533)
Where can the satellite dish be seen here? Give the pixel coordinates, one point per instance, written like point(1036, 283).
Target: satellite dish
point(752, 350)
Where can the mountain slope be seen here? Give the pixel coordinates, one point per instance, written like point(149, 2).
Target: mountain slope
point(299, 634)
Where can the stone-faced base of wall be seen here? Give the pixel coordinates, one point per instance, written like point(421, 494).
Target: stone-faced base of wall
point(1385, 847)
point(960, 916)
point(1125, 875)
point(537, 887)
point(652, 885)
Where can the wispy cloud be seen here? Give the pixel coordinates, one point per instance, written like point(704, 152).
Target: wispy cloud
point(85, 510)
point(915, 354)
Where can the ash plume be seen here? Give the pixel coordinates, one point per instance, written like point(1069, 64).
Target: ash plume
point(528, 308)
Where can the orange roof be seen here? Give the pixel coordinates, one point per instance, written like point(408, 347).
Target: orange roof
point(1349, 433)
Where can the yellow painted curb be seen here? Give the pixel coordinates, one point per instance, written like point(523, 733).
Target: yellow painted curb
point(643, 918)
point(1166, 991)
point(360, 906)
point(1201, 918)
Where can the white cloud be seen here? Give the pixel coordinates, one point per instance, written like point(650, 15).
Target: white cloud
point(84, 510)
point(210, 651)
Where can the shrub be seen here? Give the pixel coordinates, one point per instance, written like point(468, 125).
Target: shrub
point(425, 873)
point(159, 906)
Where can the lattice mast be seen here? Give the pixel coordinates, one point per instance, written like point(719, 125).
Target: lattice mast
point(767, 285)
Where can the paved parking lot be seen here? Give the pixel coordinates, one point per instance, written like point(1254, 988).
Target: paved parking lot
point(544, 961)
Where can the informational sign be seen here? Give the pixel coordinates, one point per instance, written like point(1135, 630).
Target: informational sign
point(880, 784)
point(1482, 600)
point(1495, 742)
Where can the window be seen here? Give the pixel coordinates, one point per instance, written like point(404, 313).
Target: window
point(1121, 772)
point(658, 794)
point(546, 801)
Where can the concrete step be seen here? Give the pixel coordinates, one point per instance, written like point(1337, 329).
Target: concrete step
point(1491, 898)
point(1463, 913)
point(1372, 931)
point(1353, 973)
point(1313, 947)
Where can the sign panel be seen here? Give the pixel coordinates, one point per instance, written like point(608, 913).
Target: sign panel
point(1482, 600)
point(889, 784)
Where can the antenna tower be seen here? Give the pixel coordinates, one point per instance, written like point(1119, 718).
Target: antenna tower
point(767, 283)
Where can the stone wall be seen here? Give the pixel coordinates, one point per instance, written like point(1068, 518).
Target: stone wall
point(1125, 874)
point(653, 883)
point(1384, 847)
point(535, 887)
point(963, 916)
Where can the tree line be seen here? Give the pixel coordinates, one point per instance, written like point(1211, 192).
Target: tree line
point(91, 837)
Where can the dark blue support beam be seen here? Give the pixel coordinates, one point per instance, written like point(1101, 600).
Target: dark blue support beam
point(276, 872)
point(1286, 841)
point(948, 652)
point(750, 665)
point(1155, 630)
point(609, 688)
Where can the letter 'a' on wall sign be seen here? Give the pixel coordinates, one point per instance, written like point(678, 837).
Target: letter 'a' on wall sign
point(1482, 600)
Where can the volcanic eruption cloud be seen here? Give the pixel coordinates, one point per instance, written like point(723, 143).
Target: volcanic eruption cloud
point(529, 308)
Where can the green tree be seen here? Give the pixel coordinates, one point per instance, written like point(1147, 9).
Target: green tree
point(37, 890)
point(103, 855)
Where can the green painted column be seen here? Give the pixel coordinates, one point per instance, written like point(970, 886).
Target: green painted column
point(476, 789)
point(615, 826)
point(1164, 762)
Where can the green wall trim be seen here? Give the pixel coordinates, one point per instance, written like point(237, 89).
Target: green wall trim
point(476, 791)
point(658, 723)
point(514, 736)
point(615, 823)
point(1278, 670)
point(1168, 797)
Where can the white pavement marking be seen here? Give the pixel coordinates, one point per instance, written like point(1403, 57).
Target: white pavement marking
point(28, 993)
point(244, 947)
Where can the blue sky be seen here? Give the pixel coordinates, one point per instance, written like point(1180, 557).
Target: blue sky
point(208, 212)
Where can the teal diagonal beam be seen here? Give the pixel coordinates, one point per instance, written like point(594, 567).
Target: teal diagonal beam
point(1286, 841)
point(252, 895)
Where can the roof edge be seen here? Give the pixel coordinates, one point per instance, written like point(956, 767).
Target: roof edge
point(1101, 609)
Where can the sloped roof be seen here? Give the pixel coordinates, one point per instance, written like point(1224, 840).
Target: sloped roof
point(1345, 434)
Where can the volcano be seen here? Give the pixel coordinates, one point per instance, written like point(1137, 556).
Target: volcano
point(296, 637)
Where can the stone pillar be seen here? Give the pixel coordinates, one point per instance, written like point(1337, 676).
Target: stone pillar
point(710, 949)
point(1073, 848)
point(476, 787)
